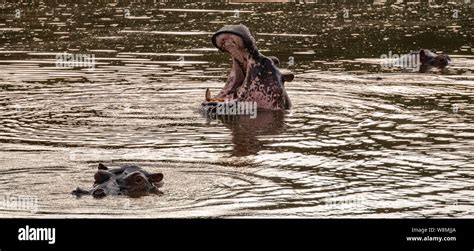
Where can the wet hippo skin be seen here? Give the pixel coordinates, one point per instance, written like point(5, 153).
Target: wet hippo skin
point(127, 180)
point(253, 76)
point(430, 60)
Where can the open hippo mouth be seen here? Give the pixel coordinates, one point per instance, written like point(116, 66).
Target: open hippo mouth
point(253, 77)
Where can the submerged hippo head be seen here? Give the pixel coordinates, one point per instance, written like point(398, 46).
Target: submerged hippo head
point(127, 180)
point(253, 77)
point(429, 59)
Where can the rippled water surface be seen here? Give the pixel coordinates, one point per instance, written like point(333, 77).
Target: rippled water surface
point(360, 141)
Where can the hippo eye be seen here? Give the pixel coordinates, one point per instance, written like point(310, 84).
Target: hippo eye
point(138, 180)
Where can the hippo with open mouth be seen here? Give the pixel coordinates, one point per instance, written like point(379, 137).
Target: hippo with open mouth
point(253, 76)
point(126, 180)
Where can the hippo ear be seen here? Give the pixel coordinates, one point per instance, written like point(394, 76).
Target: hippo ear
point(288, 77)
point(155, 177)
point(424, 53)
point(423, 56)
point(101, 176)
point(102, 167)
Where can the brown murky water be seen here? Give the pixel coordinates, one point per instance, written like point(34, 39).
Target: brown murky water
point(360, 141)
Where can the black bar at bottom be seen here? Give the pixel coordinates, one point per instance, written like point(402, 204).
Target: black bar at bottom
point(320, 234)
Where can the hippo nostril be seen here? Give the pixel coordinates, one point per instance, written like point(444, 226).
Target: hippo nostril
point(99, 193)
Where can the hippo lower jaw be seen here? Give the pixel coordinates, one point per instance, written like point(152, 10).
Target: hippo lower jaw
point(253, 77)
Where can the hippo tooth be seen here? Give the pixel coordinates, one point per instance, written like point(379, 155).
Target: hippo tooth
point(208, 94)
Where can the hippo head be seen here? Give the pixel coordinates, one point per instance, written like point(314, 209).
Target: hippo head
point(127, 180)
point(429, 59)
point(253, 77)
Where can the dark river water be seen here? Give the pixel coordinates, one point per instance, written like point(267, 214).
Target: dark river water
point(361, 140)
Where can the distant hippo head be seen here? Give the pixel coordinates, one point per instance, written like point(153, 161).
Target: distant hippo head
point(127, 180)
point(429, 59)
point(253, 76)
